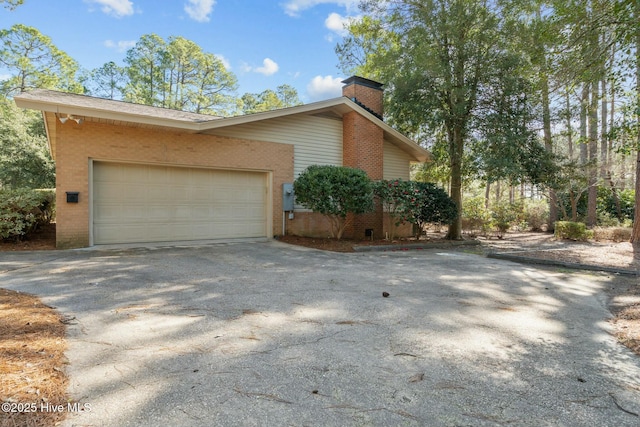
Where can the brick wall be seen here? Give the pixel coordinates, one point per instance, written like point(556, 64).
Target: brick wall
point(77, 144)
point(363, 143)
point(308, 224)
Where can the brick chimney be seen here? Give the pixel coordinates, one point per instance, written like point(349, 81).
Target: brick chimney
point(364, 92)
point(362, 146)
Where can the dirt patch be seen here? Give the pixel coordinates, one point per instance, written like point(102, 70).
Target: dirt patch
point(346, 245)
point(545, 246)
point(624, 303)
point(43, 239)
point(32, 361)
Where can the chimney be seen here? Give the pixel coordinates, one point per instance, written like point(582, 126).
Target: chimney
point(364, 92)
point(363, 147)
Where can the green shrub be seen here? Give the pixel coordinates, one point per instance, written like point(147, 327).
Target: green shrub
point(475, 216)
point(628, 203)
point(334, 191)
point(434, 206)
point(605, 219)
point(504, 215)
point(622, 208)
point(437, 207)
point(396, 198)
point(536, 213)
point(415, 202)
point(572, 230)
point(23, 210)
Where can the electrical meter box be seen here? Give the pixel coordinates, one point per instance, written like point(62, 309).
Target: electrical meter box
point(287, 197)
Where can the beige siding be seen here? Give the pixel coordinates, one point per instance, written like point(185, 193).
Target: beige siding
point(396, 162)
point(316, 140)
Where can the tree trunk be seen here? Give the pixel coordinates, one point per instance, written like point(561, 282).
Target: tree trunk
point(487, 195)
point(456, 150)
point(584, 107)
point(635, 237)
point(574, 206)
point(604, 143)
point(569, 127)
point(548, 144)
point(592, 195)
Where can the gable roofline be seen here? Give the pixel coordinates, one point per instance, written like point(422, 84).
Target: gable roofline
point(61, 103)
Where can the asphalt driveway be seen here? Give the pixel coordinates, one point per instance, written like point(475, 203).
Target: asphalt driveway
point(270, 334)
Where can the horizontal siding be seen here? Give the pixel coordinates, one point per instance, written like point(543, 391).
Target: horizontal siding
point(316, 140)
point(396, 163)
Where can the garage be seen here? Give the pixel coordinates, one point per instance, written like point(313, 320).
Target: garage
point(133, 203)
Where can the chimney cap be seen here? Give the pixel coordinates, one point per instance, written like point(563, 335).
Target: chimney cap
point(362, 82)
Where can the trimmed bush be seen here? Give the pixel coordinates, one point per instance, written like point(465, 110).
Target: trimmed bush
point(334, 191)
point(572, 230)
point(22, 211)
point(614, 234)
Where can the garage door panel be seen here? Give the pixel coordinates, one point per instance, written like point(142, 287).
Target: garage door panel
point(144, 203)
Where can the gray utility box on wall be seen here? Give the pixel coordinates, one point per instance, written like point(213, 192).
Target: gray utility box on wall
point(287, 197)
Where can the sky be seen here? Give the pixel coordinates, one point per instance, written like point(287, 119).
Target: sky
point(265, 43)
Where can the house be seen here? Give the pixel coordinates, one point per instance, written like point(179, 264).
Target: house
point(135, 173)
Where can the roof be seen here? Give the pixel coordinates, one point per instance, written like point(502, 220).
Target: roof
point(71, 103)
point(62, 104)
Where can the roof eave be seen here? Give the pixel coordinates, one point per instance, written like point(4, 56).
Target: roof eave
point(339, 105)
point(59, 108)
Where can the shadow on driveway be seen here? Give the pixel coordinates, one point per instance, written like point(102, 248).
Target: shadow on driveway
point(271, 334)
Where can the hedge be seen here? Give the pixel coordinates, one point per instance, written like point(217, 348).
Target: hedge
point(22, 211)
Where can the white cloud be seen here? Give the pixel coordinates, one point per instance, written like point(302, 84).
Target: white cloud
point(120, 46)
point(269, 67)
point(199, 10)
point(224, 61)
point(324, 88)
point(337, 23)
point(117, 8)
point(294, 7)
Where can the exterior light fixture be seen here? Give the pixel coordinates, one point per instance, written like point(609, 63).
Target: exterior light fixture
point(64, 118)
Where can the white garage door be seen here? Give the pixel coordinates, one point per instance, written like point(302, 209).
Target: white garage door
point(143, 203)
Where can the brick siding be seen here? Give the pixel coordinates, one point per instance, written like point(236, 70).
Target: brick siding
point(78, 144)
point(363, 143)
